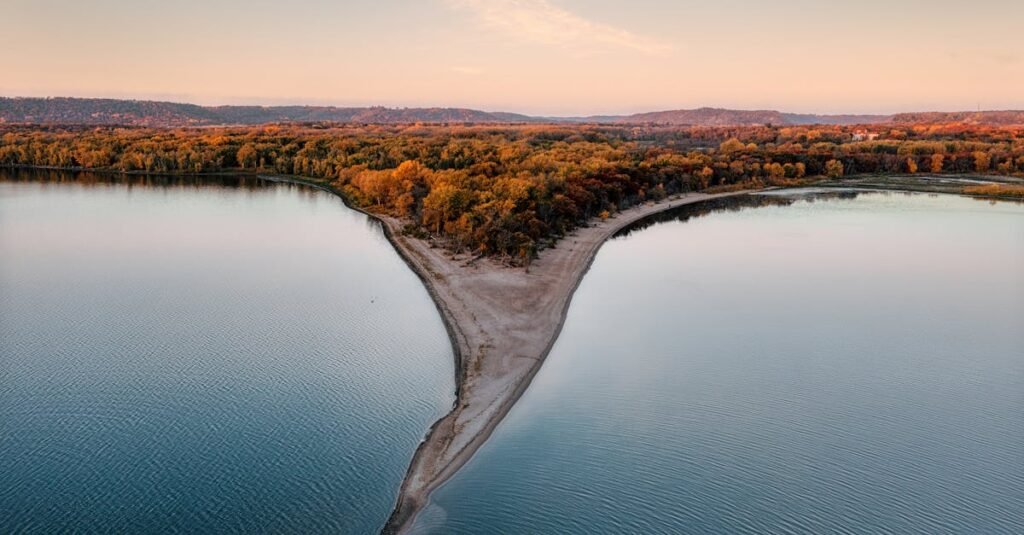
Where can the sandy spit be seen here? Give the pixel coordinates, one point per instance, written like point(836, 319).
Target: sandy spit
point(502, 321)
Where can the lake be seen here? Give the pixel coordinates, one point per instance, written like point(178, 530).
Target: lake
point(206, 355)
point(801, 362)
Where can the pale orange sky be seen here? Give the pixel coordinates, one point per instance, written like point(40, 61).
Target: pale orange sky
point(531, 56)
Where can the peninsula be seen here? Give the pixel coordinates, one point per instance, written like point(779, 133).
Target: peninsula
point(503, 321)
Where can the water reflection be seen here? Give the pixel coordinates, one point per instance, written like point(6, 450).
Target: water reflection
point(93, 179)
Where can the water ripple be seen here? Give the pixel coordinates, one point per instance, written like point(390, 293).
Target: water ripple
point(790, 369)
point(206, 360)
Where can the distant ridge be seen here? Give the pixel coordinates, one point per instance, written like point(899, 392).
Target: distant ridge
point(727, 117)
point(88, 111)
point(114, 112)
point(803, 119)
point(708, 117)
point(992, 118)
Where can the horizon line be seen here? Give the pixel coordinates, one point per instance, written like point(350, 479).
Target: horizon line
point(499, 110)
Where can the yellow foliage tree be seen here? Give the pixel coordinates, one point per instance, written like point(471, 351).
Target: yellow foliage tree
point(731, 145)
point(801, 169)
point(247, 156)
point(911, 165)
point(981, 161)
point(705, 176)
point(834, 169)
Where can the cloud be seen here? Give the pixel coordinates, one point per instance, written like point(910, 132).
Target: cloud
point(542, 22)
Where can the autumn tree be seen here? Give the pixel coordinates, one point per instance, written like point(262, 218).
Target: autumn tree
point(731, 145)
point(982, 160)
point(801, 170)
point(443, 203)
point(411, 181)
point(705, 175)
point(834, 169)
point(246, 156)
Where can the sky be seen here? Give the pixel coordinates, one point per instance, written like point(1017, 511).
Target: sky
point(544, 57)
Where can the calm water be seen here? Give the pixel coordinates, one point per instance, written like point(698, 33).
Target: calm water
point(177, 357)
point(847, 365)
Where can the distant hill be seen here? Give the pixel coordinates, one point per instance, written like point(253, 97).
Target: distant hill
point(102, 112)
point(91, 111)
point(727, 117)
point(708, 117)
point(800, 118)
point(148, 113)
point(281, 114)
point(994, 118)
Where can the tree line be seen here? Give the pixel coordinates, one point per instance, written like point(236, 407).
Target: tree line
point(510, 190)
